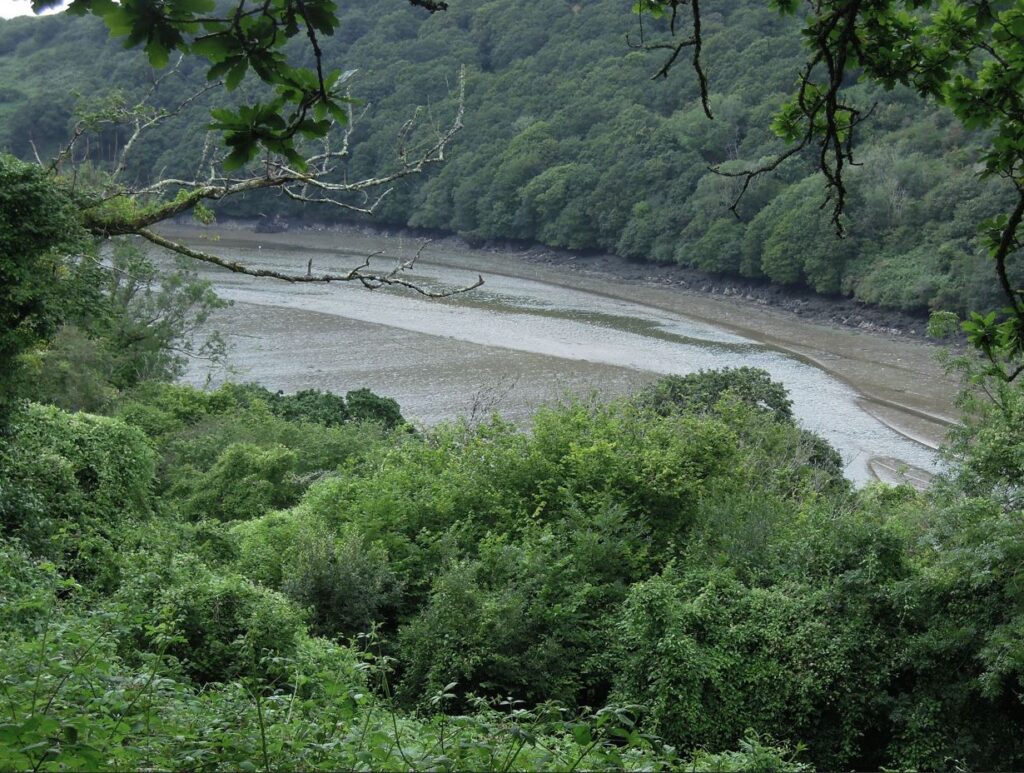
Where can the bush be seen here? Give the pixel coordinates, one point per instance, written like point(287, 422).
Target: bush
point(264, 545)
point(245, 482)
point(311, 405)
point(346, 581)
point(779, 457)
point(987, 450)
point(28, 592)
point(218, 627)
point(710, 657)
point(963, 658)
point(754, 755)
point(159, 409)
point(195, 433)
point(364, 405)
point(432, 498)
point(656, 467)
point(699, 392)
point(38, 285)
point(531, 618)
point(72, 485)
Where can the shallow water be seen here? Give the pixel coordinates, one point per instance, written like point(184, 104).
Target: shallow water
point(508, 346)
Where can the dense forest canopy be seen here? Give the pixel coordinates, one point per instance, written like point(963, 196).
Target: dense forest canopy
point(570, 143)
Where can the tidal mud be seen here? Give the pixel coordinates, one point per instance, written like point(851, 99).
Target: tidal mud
point(535, 332)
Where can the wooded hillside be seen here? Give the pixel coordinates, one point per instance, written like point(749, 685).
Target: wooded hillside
point(569, 142)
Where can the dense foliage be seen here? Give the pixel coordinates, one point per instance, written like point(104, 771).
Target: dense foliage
point(259, 586)
point(568, 143)
point(38, 228)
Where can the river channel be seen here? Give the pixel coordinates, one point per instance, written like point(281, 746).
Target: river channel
point(533, 335)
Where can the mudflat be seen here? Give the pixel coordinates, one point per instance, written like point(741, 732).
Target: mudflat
point(438, 369)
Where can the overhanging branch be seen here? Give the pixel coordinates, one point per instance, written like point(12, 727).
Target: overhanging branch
point(372, 280)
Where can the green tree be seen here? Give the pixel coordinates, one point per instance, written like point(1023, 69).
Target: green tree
point(41, 279)
point(144, 324)
point(648, 144)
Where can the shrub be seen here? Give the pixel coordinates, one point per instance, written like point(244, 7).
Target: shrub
point(346, 581)
point(710, 656)
point(988, 448)
point(71, 485)
point(699, 392)
point(963, 658)
point(219, 627)
point(364, 405)
point(531, 617)
point(264, 545)
point(312, 405)
point(194, 431)
point(159, 408)
point(245, 482)
point(38, 285)
point(656, 467)
point(28, 591)
point(755, 754)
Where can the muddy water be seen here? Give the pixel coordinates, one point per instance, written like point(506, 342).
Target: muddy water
point(531, 335)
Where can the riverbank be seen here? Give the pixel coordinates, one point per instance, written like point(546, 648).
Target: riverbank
point(802, 303)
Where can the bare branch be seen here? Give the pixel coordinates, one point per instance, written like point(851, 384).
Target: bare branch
point(675, 48)
point(827, 123)
point(301, 196)
point(369, 279)
point(314, 184)
point(749, 175)
point(66, 151)
point(157, 118)
point(110, 208)
point(35, 152)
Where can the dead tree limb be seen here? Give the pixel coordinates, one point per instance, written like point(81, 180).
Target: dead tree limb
point(372, 280)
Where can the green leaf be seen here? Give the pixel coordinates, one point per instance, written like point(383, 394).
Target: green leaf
point(239, 157)
point(214, 47)
point(157, 53)
point(339, 113)
point(314, 129)
point(9, 733)
point(118, 21)
point(581, 734)
point(193, 6)
point(236, 74)
point(95, 7)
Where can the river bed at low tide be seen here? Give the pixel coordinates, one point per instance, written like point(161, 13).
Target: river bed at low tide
point(532, 335)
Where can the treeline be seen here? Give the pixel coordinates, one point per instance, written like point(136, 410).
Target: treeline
point(569, 143)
